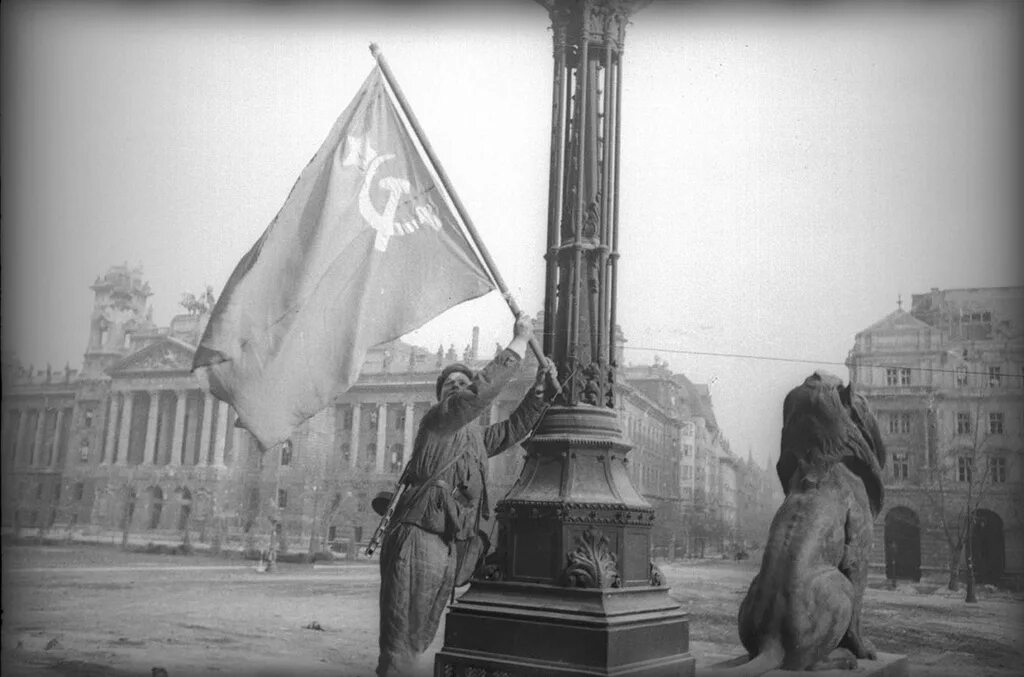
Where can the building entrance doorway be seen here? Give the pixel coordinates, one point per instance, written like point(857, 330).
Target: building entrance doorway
point(902, 545)
point(987, 546)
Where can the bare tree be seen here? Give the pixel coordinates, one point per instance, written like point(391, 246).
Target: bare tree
point(957, 480)
point(129, 496)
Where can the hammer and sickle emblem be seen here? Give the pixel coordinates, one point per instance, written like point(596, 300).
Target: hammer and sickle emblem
point(366, 158)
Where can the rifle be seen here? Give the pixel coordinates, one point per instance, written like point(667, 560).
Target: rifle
point(385, 520)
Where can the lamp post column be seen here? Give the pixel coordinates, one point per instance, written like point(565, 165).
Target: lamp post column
point(572, 568)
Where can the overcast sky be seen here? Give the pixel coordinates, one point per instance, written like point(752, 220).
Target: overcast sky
point(787, 172)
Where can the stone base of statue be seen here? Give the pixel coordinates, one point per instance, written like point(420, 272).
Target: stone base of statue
point(503, 628)
point(885, 665)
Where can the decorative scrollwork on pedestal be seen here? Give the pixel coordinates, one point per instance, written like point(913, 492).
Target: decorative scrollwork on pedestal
point(592, 564)
point(597, 384)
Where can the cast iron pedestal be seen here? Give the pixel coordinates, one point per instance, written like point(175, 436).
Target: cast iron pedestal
point(577, 593)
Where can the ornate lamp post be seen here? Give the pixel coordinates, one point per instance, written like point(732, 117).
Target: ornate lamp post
point(576, 592)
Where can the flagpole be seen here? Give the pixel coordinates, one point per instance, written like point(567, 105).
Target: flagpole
point(488, 262)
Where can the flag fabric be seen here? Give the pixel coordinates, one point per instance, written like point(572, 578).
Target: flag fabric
point(365, 249)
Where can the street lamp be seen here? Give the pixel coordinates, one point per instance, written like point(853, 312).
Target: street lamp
point(576, 591)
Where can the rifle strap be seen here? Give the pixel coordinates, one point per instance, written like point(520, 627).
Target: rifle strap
point(433, 480)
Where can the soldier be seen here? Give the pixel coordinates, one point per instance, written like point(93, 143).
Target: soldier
point(439, 513)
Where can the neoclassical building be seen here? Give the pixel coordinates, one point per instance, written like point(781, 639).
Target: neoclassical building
point(946, 382)
point(132, 445)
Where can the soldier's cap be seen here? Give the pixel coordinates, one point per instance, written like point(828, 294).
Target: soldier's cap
point(448, 371)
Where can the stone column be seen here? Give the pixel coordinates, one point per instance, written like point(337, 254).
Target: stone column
point(126, 428)
point(20, 434)
point(494, 413)
point(410, 410)
point(108, 447)
point(220, 434)
point(37, 440)
point(179, 426)
point(149, 455)
point(382, 439)
point(238, 445)
point(55, 448)
point(353, 458)
point(204, 435)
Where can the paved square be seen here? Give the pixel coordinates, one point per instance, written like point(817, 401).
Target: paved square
point(94, 610)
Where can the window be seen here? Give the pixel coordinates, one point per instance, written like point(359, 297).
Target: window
point(995, 377)
point(904, 376)
point(687, 472)
point(286, 453)
point(87, 418)
point(83, 452)
point(997, 468)
point(961, 376)
point(79, 491)
point(345, 451)
point(995, 423)
point(687, 450)
point(891, 376)
point(900, 467)
point(396, 457)
point(400, 421)
point(282, 498)
point(964, 466)
point(346, 417)
point(899, 423)
point(963, 423)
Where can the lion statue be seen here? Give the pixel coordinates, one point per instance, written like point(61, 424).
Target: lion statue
point(803, 608)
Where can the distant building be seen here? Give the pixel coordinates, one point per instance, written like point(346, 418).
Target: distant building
point(703, 508)
point(946, 382)
point(132, 443)
point(759, 495)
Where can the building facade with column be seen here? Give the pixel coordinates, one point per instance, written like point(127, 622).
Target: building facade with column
point(133, 445)
point(946, 382)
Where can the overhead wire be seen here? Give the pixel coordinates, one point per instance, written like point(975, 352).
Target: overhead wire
point(771, 358)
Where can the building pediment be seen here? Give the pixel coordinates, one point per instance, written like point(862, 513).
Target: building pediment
point(896, 322)
point(167, 355)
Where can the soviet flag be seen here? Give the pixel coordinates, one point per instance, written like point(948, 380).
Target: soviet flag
point(366, 248)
